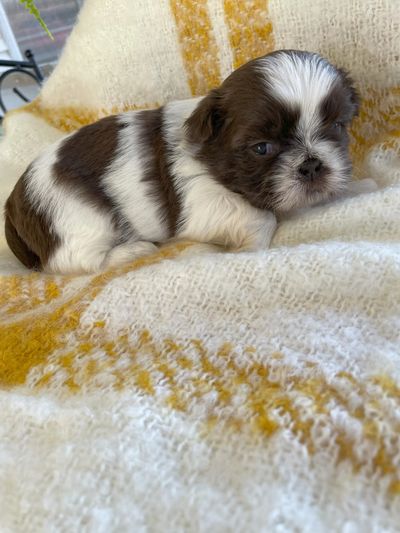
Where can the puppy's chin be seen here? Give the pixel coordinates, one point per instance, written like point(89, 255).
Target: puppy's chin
point(293, 193)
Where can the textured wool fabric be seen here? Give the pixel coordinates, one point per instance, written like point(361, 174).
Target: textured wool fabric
point(202, 391)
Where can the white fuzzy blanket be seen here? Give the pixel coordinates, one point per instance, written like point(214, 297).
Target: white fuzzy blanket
point(193, 391)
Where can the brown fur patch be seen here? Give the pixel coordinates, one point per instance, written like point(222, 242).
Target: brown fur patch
point(28, 232)
point(157, 167)
point(83, 159)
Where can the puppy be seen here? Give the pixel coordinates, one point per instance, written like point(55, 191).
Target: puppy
point(216, 169)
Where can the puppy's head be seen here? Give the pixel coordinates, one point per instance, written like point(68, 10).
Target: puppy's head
point(276, 130)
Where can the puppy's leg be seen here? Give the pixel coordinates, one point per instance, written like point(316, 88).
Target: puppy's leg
point(258, 231)
point(79, 256)
point(128, 251)
point(227, 220)
point(97, 256)
point(246, 229)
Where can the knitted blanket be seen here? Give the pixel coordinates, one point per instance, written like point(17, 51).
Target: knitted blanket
point(200, 391)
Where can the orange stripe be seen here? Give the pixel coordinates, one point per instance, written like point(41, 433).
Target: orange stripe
point(198, 44)
point(28, 342)
point(378, 123)
point(250, 29)
point(72, 118)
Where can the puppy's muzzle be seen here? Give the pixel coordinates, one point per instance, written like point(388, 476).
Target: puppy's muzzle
point(311, 169)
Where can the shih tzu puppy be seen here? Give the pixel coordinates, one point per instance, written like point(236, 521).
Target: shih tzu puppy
point(272, 138)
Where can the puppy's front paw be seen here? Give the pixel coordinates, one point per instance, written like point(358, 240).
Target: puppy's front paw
point(259, 232)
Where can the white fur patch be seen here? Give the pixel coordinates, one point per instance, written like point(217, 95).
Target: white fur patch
point(211, 213)
point(124, 183)
point(299, 80)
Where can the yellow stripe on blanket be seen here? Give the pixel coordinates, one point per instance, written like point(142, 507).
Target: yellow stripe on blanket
point(58, 353)
point(29, 341)
point(198, 45)
point(250, 29)
point(378, 124)
point(71, 118)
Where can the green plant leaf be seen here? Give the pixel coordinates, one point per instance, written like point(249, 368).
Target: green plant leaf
point(31, 7)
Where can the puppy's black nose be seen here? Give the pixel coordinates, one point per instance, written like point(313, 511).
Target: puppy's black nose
point(311, 168)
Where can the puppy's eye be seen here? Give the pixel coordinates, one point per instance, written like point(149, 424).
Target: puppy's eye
point(338, 126)
point(264, 148)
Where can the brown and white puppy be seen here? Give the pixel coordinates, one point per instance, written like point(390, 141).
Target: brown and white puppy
point(215, 169)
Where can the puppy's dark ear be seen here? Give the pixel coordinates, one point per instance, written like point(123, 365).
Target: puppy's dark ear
point(355, 99)
point(352, 91)
point(206, 120)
